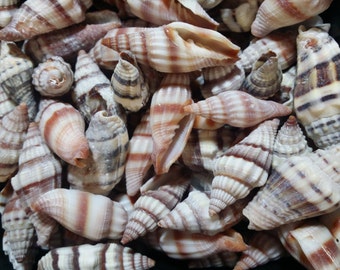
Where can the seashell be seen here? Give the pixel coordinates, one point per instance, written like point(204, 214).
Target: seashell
point(6, 104)
point(285, 95)
point(63, 130)
point(167, 11)
point(170, 126)
point(151, 206)
point(7, 9)
point(316, 103)
point(93, 91)
point(221, 259)
point(13, 127)
point(209, 4)
point(237, 108)
point(16, 75)
point(138, 160)
point(201, 122)
point(36, 17)
point(74, 210)
point(275, 14)
point(53, 77)
point(263, 247)
point(100, 256)
point(243, 167)
point(301, 187)
point(130, 88)
point(176, 47)
point(66, 42)
point(332, 222)
point(108, 150)
point(290, 141)
point(126, 201)
point(265, 78)
point(311, 244)
point(5, 195)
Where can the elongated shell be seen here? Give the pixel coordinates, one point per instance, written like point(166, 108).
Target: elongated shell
point(301, 187)
point(316, 103)
point(237, 108)
point(78, 212)
point(53, 77)
point(36, 17)
point(274, 14)
point(175, 47)
point(63, 129)
point(13, 128)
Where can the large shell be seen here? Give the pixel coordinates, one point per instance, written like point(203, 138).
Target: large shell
point(301, 187)
point(316, 102)
point(36, 17)
point(108, 150)
point(78, 212)
point(237, 108)
point(243, 167)
point(175, 47)
point(63, 129)
point(13, 127)
point(274, 14)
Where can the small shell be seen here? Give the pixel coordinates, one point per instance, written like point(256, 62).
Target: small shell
point(274, 14)
point(95, 257)
point(13, 127)
point(221, 259)
point(7, 9)
point(78, 212)
point(176, 47)
point(53, 77)
point(237, 109)
point(63, 129)
point(36, 17)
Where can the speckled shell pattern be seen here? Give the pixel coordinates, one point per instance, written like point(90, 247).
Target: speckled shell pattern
point(13, 127)
point(105, 256)
point(7, 9)
point(108, 150)
point(34, 17)
point(316, 103)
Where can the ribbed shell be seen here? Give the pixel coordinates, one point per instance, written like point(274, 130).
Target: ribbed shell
point(6, 104)
point(36, 17)
point(301, 187)
point(316, 103)
point(108, 150)
point(274, 14)
point(221, 259)
point(13, 127)
point(63, 129)
point(243, 167)
point(78, 212)
point(175, 47)
point(94, 257)
point(237, 108)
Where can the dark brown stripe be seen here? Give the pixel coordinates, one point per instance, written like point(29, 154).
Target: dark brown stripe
point(289, 7)
point(75, 258)
point(102, 261)
point(55, 259)
point(325, 254)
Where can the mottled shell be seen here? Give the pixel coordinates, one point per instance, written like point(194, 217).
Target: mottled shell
point(53, 77)
point(99, 256)
point(274, 14)
point(78, 212)
point(316, 103)
point(175, 47)
point(13, 127)
point(108, 150)
point(63, 129)
point(237, 108)
point(36, 17)
point(7, 9)
point(243, 167)
point(301, 187)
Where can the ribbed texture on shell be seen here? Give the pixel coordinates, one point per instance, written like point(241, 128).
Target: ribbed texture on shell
point(78, 212)
point(6, 104)
point(99, 256)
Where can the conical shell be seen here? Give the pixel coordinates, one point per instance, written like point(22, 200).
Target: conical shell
point(6, 104)
point(316, 103)
point(175, 47)
point(99, 256)
point(78, 212)
point(63, 129)
point(7, 9)
point(301, 187)
point(221, 259)
point(108, 150)
point(237, 108)
point(36, 17)
point(13, 127)
point(274, 14)
point(243, 167)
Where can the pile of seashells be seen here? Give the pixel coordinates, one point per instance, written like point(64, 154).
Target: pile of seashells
point(208, 131)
